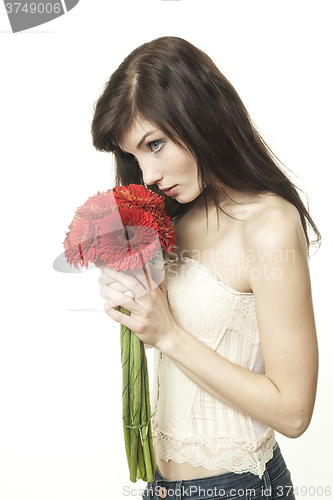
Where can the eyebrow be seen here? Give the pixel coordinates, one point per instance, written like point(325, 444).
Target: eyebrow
point(145, 137)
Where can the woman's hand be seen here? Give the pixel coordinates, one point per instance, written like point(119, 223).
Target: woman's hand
point(150, 319)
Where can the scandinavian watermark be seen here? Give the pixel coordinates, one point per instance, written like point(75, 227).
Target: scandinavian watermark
point(232, 265)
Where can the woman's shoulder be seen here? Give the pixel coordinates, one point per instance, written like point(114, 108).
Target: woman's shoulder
point(274, 222)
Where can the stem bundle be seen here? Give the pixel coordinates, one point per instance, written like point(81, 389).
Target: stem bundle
point(136, 407)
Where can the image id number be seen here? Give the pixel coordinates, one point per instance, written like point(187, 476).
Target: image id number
point(304, 491)
point(33, 8)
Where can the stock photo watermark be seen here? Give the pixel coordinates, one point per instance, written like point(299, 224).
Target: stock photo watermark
point(26, 15)
point(191, 491)
point(228, 264)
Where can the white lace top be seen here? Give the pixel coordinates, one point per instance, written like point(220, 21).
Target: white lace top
point(190, 425)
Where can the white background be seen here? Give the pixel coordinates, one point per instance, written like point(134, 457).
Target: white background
point(60, 373)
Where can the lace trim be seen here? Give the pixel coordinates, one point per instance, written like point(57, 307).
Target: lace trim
point(236, 457)
point(246, 320)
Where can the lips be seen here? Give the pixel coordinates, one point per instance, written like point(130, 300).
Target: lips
point(170, 191)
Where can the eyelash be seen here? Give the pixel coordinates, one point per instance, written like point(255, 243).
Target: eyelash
point(159, 142)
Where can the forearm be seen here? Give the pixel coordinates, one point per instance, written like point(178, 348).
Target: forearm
point(250, 393)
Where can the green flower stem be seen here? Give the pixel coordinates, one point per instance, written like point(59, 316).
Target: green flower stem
point(141, 453)
point(152, 451)
point(136, 407)
point(141, 470)
point(144, 418)
point(135, 383)
point(145, 415)
point(125, 336)
point(149, 434)
point(132, 428)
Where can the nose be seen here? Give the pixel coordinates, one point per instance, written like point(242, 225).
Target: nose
point(150, 173)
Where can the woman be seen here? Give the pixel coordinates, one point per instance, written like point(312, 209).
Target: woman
point(232, 324)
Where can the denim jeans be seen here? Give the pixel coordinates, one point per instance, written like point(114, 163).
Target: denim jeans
point(275, 484)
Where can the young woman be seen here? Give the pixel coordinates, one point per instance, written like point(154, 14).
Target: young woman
point(232, 323)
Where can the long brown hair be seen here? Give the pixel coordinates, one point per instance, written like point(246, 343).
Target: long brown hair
point(178, 88)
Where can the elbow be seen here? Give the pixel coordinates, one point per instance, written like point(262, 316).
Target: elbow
point(295, 426)
point(296, 431)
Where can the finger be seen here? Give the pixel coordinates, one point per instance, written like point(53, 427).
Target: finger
point(109, 303)
point(129, 294)
point(121, 318)
point(105, 279)
point(109, 297)
point(130, 282)
point(121, 288)
point(114, 291)
point(106, 291)
point(118, 297)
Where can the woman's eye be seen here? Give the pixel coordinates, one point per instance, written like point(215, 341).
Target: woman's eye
point(156, 146)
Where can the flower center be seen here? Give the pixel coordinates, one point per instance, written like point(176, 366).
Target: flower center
point(130, 234)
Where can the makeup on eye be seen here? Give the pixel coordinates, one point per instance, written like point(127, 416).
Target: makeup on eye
point(156, 146)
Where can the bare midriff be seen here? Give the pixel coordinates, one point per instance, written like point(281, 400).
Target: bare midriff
point(173, 471)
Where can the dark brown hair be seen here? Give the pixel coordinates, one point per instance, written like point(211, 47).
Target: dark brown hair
point(178, 88)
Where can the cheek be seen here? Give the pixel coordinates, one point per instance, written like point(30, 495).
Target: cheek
point(191, 170)
point(185, 164)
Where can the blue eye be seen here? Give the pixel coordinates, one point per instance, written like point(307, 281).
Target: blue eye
point(156, 146)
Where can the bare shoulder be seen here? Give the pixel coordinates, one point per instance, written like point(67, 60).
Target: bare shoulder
point(274, 223)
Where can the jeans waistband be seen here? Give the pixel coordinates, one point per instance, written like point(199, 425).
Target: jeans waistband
point(226, 484)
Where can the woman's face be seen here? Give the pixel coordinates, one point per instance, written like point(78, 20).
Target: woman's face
point(162, 161)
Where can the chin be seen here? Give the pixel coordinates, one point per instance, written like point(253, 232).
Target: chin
point(180, 199)
point(186, 197)
point(184, 202)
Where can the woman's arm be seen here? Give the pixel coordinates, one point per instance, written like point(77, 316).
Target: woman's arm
point(284, 397)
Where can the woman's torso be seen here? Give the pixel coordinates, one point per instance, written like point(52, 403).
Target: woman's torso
point(220, 248)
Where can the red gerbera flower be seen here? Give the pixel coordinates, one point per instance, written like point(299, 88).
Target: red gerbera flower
point(135, 195)
point(124, 227)
point(99, 206)
point(133, 245)
point(81, 242)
